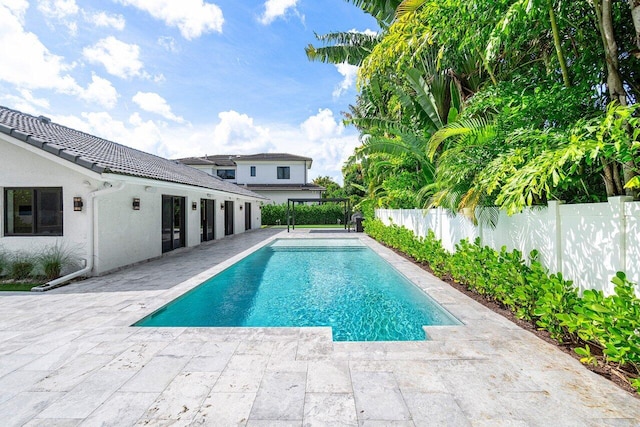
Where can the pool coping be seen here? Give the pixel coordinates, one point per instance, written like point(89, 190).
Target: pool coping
point(365, 241)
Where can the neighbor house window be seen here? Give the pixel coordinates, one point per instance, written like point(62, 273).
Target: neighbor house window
point(253, 171)
point(284, 172)
point(226, 173)
point(33, 211)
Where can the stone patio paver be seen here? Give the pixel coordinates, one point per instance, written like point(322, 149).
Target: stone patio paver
point(70, 357)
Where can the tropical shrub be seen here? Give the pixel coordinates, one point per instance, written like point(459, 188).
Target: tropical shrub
point(610, 324)
point(53, 259)
point(21, 265)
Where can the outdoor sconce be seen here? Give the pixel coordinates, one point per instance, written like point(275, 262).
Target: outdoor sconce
point(222, 206)
point(77, 204)
point(136, 204)
point(194, 206)
point(240, 207)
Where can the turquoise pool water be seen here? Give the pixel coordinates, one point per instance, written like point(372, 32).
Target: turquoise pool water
point(339, 283)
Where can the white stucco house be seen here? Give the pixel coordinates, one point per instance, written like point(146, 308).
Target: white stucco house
point(277, 176)
point(111, 204)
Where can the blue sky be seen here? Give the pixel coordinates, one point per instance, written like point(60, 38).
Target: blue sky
point(183, 78)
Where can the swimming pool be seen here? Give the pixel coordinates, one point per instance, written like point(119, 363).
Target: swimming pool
point(340, 283)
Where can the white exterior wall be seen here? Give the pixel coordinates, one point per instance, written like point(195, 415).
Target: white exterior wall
point(139, 234)
point(121, 236)
point(20, 168)
point(267, 172)
point(587, 243)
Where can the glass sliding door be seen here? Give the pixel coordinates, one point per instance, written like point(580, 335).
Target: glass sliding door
point(247, 216)
point(173, 223)
point(228, 218)
point(207, 220)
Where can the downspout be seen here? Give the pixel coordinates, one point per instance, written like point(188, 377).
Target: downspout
point(88, 262)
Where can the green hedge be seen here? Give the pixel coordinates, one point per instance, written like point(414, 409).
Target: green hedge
point(610, 324)
point(328, 213)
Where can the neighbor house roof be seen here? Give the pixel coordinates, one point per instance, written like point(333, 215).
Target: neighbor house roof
point(231, 159)
point(284, 187)
point(102, 156)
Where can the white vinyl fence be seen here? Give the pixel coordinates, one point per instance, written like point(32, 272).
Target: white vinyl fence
point(587, 243)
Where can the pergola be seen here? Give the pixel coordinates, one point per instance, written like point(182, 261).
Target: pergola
point(291, 207)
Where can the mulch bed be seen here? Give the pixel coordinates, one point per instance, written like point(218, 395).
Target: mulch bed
point(607, 371)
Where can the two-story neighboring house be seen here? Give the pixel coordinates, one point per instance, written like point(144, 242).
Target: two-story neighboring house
point(277, 176)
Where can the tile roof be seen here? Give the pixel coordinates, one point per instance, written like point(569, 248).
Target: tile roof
point(231, 159)
point(102, 156)
point(284, 187)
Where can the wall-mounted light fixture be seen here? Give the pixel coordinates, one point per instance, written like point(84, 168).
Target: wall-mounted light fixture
point(194, 206)
point(240, 207)
point(77, 204)
point(136, 204)
point(222, 205)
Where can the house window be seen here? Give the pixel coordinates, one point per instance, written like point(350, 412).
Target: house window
point(253, 171)
point(226, 173)
point(33, 211)
point(284, 172)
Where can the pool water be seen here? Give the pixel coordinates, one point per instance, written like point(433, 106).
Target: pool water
point(339, 283)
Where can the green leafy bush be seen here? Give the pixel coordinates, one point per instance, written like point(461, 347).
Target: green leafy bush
point(593, 320)
point(327, 213)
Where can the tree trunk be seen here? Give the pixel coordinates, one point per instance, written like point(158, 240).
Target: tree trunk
point(635, 15)
point(558, 46)
point(614, 81)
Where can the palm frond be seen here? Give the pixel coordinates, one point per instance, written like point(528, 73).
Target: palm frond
point(408, 6)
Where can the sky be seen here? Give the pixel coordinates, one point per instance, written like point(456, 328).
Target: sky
point(182, 78)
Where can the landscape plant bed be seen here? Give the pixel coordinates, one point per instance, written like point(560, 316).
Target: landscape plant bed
point(608, 371)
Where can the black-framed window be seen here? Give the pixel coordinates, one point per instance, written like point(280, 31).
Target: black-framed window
point(284, 172)
point(33, 211)
point(226, 173)
point(253, 171)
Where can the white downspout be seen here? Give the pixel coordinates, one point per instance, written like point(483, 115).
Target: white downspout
point(88, 262)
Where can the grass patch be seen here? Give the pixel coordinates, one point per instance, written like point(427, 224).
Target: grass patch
point(24, 287)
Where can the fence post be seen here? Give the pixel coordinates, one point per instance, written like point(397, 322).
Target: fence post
point(555, 230)
point(619, 219)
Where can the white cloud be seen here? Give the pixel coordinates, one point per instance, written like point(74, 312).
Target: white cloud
point(237, 134)
point(26, 102)
point(104, 19)
point(58, 9)
point(322, 125)
point(32, 65)
point(154, 103)
point(62, 11)
point(349, 72)
point(119, 58)
point(17, 8)
point(168, 43)
point(192, 17)
point(274, 9)
point(100, 91)
point(146, 136)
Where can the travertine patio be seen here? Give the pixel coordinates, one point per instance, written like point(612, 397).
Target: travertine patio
point(69, 357)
